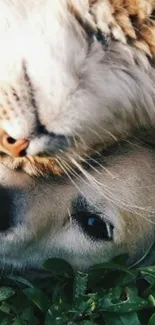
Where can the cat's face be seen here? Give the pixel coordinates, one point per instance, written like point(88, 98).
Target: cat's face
point(48, 80)
point(82, 223)
point(62, 90)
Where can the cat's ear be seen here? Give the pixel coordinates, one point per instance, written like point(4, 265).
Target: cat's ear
point(97, 15)
point(103, 13)
point(81, 11)
point(118, 18)
point(125, 20)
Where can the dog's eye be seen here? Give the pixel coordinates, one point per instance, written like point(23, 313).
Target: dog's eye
point(94, 226)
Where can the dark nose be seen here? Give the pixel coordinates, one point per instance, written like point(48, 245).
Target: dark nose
point(6, 220)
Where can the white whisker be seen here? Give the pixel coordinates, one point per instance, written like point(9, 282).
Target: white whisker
point(100, 165)
point(64, 169)
point(107, 194)
point(106, 131)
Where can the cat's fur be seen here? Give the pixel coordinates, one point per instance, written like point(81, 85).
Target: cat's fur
point(61, 88)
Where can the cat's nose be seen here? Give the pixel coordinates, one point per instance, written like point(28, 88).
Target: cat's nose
point(15, 148)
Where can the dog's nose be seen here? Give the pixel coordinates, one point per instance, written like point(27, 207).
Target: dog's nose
point(15, 148)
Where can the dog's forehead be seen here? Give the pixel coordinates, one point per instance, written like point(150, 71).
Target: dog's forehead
point(120, 169)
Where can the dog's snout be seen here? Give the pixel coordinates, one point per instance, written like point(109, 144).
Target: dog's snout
point(5, 209)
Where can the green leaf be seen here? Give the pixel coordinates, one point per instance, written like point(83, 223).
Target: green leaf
point(111, 319)
point(126, 319)
point(29, 315)
point(56, 294)
point(58, 267)
point(130, 318)
point(5, 308)
point(86, 322)
point(121, 259)
point(80, 285)
point(148, 269)
point(18, 321)
point(6, 293)
point(131, 302)
point(152, 320)
point(21, 280)
point(85, 307)
point(59, 320)
point(4, 317)
point(56, 315)
point(115, 294)
point(125, 279)
point(19, 302)
point(151, 298)
point(38, 297)
point(112, 266)
point(6, 321)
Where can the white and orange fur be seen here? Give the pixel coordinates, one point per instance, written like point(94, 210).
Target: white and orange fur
point(51, 73)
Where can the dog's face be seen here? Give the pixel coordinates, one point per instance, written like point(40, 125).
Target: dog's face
point(81, 222)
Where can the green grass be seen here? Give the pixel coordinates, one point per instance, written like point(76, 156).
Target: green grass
point(108, 294)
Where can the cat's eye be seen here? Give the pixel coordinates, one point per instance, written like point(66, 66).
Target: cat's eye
point(93, 225)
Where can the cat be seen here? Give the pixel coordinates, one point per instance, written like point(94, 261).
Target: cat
point(68, 87)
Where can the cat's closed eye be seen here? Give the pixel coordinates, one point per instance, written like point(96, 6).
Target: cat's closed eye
point(63, 89)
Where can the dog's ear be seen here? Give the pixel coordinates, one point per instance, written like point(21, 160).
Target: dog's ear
point(141, 251)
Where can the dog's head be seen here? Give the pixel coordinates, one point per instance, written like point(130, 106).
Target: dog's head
point(82, 221)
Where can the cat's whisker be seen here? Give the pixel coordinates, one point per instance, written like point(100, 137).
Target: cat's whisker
point(68, 175)
point(70, 170)
point(108, 198)
point(86, 173)
point(98, 186)
point(96, 133)
point(103, 130)
point(95, 184)
point(76, 143)
point(86, 162)
point(81, 140)
point(100, 165)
